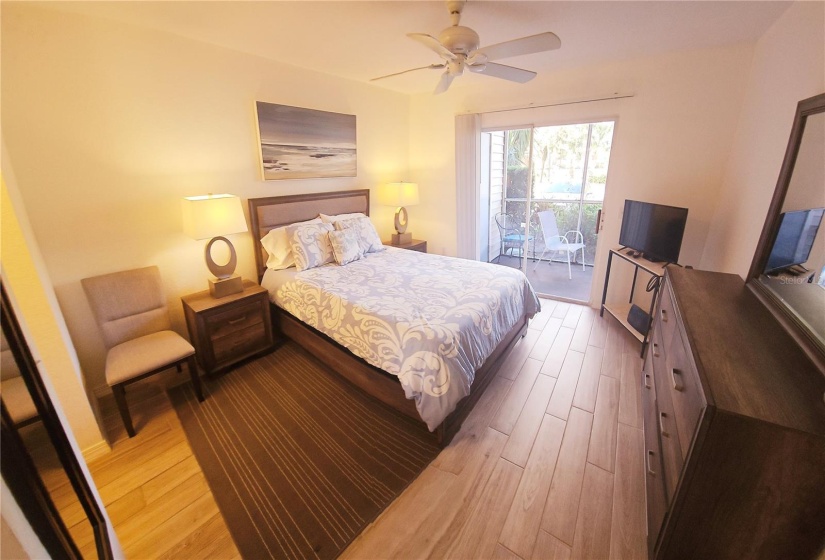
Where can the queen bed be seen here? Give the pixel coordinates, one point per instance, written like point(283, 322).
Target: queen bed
point(423, 333)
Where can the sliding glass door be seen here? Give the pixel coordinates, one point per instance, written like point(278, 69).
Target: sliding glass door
point(546, 182)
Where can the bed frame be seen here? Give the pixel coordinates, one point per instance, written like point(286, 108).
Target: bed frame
point(278, 211)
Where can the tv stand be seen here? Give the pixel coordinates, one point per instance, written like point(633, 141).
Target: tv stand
point(620, 310)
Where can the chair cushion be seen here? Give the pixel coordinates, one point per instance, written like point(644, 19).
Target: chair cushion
point(570, 247)
point(17, 399)
point(135, 357)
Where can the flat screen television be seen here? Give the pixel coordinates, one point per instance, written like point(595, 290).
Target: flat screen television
point(795, 239)
point(655, 230)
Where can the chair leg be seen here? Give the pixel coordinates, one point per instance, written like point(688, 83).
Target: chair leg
point(569, 270)
point(582, 259)
point(196, 380)
point(535, 266)
point(120, 398)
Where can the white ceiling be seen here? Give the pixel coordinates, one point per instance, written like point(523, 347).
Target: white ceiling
point(362, 40)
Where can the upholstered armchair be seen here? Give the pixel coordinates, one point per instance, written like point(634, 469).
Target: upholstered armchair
point(130, 309)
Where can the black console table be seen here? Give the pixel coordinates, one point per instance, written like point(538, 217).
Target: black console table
point(620, 311)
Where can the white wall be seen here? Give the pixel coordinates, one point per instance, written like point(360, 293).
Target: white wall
point(108, 125)
point(788, 66)
point(670, 146)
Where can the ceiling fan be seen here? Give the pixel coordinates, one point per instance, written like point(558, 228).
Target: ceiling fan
point(458, 47)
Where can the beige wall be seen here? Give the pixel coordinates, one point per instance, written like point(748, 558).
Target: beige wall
point(29, 288)
point(670, 146)
point(109, 125)
point(33, 300)
point(788, 66)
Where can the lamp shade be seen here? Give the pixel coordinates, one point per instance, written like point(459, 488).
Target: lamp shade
point(212, 215)
point(398, 194)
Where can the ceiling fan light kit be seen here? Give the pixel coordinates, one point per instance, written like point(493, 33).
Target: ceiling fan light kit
point(458, 46)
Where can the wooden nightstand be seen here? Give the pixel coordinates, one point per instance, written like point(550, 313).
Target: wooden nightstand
point(230, 329)
point(414, 245)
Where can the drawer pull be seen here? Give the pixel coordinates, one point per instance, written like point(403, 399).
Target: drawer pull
point(655, 350)
point(664, 316)
point(650, 455)
point(662, 424)
point(237, 321)
point(647, 381)
point(677, 379)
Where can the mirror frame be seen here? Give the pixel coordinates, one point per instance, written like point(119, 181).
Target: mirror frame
point(801, 334)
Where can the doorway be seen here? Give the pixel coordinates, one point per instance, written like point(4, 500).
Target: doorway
point(545, 187)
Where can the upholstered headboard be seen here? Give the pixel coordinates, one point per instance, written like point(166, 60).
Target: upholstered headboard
point(278, 211)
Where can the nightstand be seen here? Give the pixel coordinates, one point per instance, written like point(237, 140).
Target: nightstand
point(414, 245)
point(227, 330)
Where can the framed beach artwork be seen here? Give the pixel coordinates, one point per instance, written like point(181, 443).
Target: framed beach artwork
point(299, 143)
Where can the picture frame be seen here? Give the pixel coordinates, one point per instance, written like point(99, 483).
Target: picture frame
point(300, 143)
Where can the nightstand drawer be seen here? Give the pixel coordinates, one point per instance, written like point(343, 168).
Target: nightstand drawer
point(233, 320)
point(239, 343)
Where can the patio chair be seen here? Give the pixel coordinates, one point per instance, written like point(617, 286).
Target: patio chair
point(511, 236)
point(554, 242)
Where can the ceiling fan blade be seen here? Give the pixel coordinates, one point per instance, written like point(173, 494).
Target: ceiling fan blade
point(444, 83)
point(431, 66)
point(505, 72)
point(517, 47)
point(433, 44)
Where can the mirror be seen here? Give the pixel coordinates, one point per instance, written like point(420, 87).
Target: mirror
point(38, 463)
point(788, 270)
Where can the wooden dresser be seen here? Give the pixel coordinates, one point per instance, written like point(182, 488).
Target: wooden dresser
point(734, 424)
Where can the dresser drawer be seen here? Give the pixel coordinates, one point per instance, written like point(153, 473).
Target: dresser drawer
point(682, 382)
point(654, 482)
point(672, 457)
point(239, 343)
point(666, 315)
point(234, 320)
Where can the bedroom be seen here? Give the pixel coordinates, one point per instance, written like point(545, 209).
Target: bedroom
point(107, 123)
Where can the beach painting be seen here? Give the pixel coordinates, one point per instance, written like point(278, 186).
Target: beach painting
point(299, 143)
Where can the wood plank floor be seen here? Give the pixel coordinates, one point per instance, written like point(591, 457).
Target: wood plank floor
point(548, 465)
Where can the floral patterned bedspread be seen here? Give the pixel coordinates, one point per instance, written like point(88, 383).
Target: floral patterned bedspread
point(428, 319)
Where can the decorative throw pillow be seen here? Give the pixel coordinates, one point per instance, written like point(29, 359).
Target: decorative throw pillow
point(277, 246)
point(327, 219)
point(345, 246)
point(310, 245)
point(367, 236)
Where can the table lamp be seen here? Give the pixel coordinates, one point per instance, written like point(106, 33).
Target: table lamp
point(213, 216)
point(399, 194)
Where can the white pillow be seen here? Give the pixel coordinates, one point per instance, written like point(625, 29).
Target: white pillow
point(277, 247)
point(310, 245)
point(337, 218)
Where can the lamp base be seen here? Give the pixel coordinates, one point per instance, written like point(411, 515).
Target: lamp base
point(222, 287)
point(401, 238)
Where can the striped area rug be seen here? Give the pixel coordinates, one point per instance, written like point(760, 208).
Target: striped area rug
point(299, 461)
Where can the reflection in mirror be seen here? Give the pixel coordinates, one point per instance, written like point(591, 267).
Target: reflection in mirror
point(795, 269)
point(35, 451)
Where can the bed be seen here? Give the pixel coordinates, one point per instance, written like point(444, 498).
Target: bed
point(424, 334)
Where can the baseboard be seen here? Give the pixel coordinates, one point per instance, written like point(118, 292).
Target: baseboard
point(96, 451)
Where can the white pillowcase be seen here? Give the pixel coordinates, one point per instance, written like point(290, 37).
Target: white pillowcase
point(339, 217)
point(345, 247)
point(310, 245)
point(367, 236)
point(277, 246)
